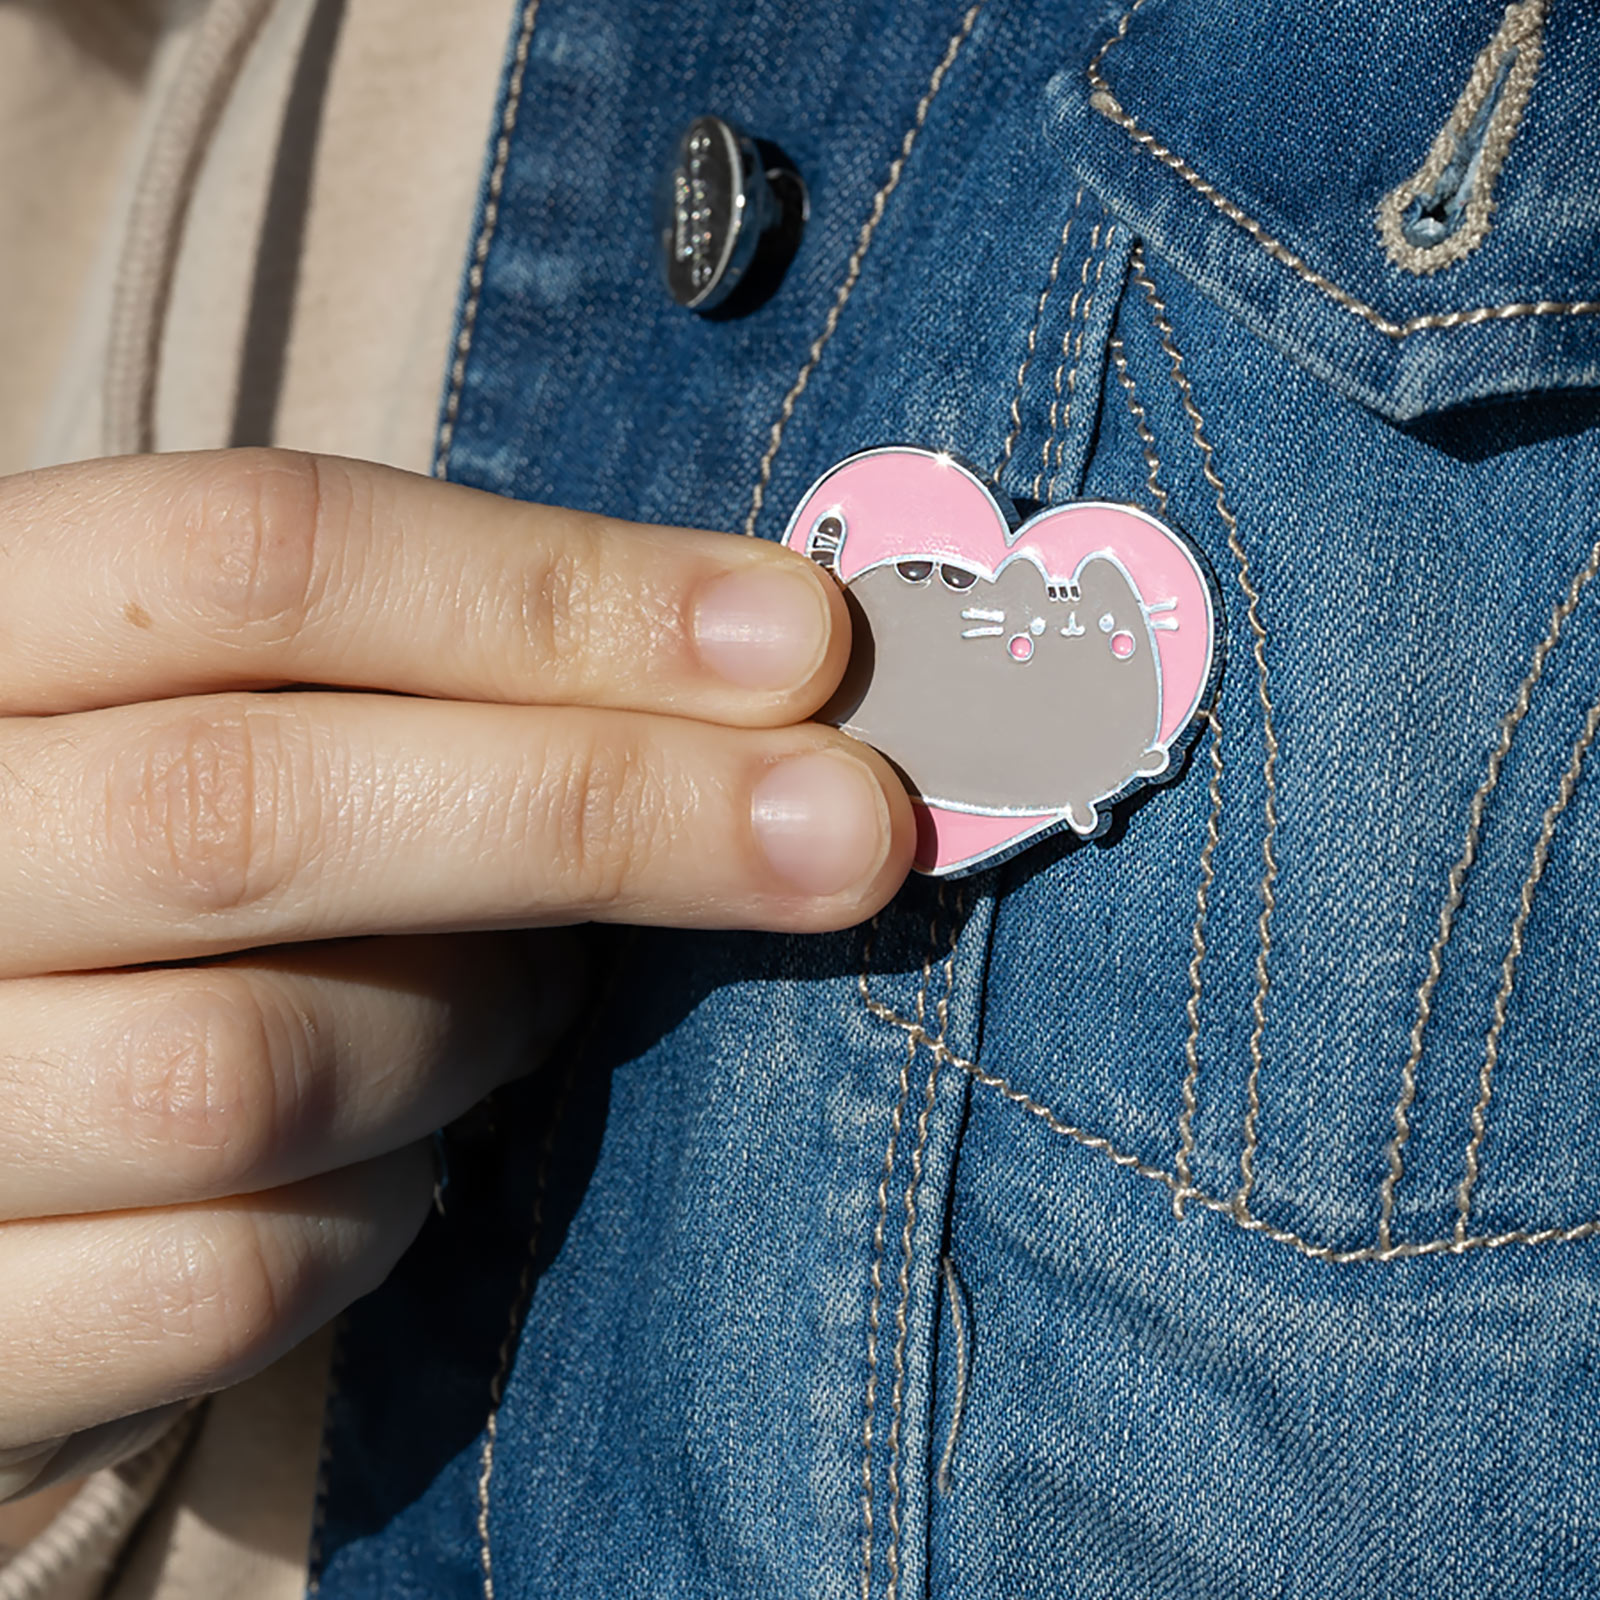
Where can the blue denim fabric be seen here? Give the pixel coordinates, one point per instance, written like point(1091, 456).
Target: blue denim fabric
point(1047, 1238)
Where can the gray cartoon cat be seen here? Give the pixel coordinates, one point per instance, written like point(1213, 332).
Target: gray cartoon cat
point(1013, 694)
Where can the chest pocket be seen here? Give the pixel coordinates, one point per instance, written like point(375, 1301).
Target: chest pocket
point(1331, 982)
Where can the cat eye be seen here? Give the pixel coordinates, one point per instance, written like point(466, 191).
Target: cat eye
point(915, 571)
point(957, 578)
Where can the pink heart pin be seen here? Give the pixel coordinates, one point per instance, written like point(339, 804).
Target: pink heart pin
point(1022, 676)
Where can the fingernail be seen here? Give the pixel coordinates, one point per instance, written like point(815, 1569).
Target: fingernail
point(822, 822)
point(761, 629)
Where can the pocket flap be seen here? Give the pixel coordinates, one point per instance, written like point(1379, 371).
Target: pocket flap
point(1404, 201)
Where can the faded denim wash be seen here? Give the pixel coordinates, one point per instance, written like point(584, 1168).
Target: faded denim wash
point(1207, 1210)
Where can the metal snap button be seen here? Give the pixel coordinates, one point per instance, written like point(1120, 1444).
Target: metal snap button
point(729, 215)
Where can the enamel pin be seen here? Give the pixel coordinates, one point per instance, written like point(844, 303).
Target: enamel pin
point(1023, 676)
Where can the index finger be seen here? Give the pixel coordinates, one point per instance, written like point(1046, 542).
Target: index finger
point(149, 577)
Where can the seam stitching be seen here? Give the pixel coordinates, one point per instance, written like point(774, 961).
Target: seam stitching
point(1229, 1208)
point(852, 271)
point(1508, 967)
point(1147, 440)
point(1077, 356)
point(522, 1301)
point(1058, 416)
point(907, 1249)
point(875, 1297)
point(1269, 736)
point(1456, 885)
point(1197, 939)
point(480, 250)
point(958, 1401)
point(1105, 102)
point(1197, 934)
point(1014, 433)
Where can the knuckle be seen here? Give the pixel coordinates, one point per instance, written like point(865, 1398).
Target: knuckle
point(209, 1084)
point(202, 809)
point(558, 595)
point(211, 1285)
point(605, 809)
point(252, 526)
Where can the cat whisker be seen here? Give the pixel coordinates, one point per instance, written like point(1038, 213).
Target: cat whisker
point(981, 633)
point(978, 614)
point(1161, 605)
point(1165, 624)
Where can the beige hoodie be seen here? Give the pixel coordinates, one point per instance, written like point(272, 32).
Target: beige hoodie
point(301, 273)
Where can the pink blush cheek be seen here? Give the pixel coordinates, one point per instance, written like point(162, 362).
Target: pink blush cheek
point(1122, 645)
point(1021, 647)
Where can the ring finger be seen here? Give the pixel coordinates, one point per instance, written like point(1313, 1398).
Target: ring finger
point(165, 1086)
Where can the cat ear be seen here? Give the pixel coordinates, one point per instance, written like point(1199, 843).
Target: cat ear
point(1175, 588)
point(895, 502)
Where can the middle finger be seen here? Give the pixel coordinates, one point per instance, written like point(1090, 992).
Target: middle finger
point(183, 828)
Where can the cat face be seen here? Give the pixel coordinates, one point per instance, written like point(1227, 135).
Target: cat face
point(1015, 692)
point(1021, 672)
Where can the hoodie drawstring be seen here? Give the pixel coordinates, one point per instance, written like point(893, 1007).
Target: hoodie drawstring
point(161, 199)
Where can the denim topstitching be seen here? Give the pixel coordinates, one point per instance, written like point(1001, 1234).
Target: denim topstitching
point(958, 1401)
point(903, 1281)
point(1456, 886)
point(1015, 431)
point(1141, 423)
point(852, 271)
point(875, 1277)
point(480, 250)
point(1061, 405)
point(520, 1304)
point(1508, 967)
point(907, 1248)
point(1236, 1207)
point(1269, 735)
point(1107, 104)
point(1197, 941)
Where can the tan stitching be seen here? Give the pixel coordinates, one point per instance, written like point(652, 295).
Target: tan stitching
point(1229, 1208)
point(852, 269)
point(1508, 968)
point(480, 251)
point(907, 1237)
point(1520, 37)
point(1455, 889)
point(1015, 431)
point(1147, 440)
point(1071, 350)
point(958, 1402)
point(1197, 937)
point(522, 1300)
point(1107, 105)
point(514, 1321)
point(1061, 365)
point(875, 1299)
point(1269, 766)
point(1077, 358)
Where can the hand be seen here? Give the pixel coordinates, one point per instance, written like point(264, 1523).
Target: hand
point(575, 719)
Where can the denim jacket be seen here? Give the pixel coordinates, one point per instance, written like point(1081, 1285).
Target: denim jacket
point(1208, 1208)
